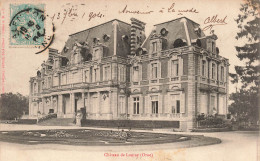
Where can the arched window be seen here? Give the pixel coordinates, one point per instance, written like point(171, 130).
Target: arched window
point(179, 43)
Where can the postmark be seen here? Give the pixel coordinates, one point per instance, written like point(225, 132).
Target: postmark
point(27, 25)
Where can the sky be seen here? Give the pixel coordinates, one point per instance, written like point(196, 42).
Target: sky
point(21, 63)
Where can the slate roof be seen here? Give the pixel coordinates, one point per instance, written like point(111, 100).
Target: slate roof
point(175, 30)
point(98, 32)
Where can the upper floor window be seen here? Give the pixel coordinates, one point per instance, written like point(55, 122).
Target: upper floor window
point(203, 70)
point(63, 79)
point(222, 74)
point(213, 71)
point(174, 68)
point(122, 73)
point(106, 73)
point(55, 80)
point(49, 82)
point(154, 47)
point(154, 70)
point(95, 76)
point(87, 76)
point(135, 73)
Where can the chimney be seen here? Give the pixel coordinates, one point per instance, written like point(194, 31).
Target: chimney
point(137, 34)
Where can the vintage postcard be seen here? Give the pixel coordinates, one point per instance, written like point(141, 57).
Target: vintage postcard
point(154, 80)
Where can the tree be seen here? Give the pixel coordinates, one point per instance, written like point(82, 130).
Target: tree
point(13, 106)
point(246, 104)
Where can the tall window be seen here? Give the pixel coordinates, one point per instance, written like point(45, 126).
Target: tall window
point(154, 70)
point(75, 58)
point(175, 68)
point(213, 46)
point(86, 75)
point(94, 75)
point(213, 71)
point(154, 102)
point(122, 104)
point(222, 74)
point(49, 82)
point(106, 73)
point(74, 77)
point(122, 73)
point(63, 79)
point(56, 64)
point(175, 103)
point(135, 73)
point(136, 105)
point(43, 85)
point(154, 47)
point(212, 103)
point(34, 88)
point(56, 81)
point(203, 70)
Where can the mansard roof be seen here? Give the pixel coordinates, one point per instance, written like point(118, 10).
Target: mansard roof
point(98, 32)
point(175, 30)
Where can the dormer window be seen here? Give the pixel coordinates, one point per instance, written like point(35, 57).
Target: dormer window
point(97, 52)
point(213, 47)
point(56, 63)
point(179, 43)
point(154, 47)
point(135, 74)
point(75, 58)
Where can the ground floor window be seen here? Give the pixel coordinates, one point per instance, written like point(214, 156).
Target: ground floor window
point(122, 104)
point(154, 102)
point(136, 105)
point(175, 103)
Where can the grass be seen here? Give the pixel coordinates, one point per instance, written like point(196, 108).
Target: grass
point(89, 137)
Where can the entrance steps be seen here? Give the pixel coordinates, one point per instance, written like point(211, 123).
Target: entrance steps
point(58, 122)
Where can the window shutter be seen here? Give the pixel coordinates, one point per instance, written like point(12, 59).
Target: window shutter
point(182, 103)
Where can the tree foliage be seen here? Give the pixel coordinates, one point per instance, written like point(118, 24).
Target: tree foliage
point(249, 25)
point(246, 104)
point(13, 106)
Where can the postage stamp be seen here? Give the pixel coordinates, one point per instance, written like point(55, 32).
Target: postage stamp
point(27, 27)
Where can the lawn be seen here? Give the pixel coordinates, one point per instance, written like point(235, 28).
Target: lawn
point(89, 137)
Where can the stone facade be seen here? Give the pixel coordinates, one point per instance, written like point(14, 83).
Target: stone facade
point(114, 72)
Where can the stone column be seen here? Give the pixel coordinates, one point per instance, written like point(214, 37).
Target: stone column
point(83, 99)
point(60, 101)
point(43, 101)
point(88, 108)
point(99, 103)
point(110, 102)
point(72, 104)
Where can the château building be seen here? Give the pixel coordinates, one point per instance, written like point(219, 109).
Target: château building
point(115, 72)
